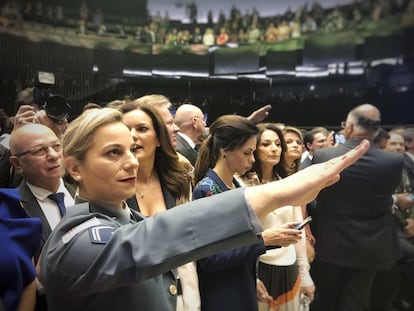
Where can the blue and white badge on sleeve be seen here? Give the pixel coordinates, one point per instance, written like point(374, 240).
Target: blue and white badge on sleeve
point(68, 236)
point(101, 234)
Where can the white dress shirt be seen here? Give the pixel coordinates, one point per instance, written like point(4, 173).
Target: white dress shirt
point(48, 206)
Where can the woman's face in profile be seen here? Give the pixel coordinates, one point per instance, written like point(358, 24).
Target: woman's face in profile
point(241, 160)
point(108, 172)
point(143, 133)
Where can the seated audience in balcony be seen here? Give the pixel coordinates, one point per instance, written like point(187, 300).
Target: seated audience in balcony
point(98, 19)
point(242, 36)
point(284, 30)
point(223, 36)
point(254, 33)
point(171, 37)
point(356, 18)
point(271, 33)
point(197, 37)
point(309, 25)
point(184, 37)
point(208, 37)
point(295, 29)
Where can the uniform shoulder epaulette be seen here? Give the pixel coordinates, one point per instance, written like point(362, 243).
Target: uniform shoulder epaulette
point(101, 234)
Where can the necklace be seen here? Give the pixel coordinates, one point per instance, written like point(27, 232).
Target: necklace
point(147, 184)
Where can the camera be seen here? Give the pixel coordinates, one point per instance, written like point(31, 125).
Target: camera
point(55, 106)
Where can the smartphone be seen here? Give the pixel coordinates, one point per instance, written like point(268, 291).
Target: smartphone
point(303, 223)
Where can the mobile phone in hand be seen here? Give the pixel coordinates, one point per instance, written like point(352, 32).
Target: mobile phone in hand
point(303, 223)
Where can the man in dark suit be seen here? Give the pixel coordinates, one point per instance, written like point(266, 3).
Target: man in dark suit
point(192, 124)
point(353, 223)
point(409, 153)
point(313, 140)
point(36, 153)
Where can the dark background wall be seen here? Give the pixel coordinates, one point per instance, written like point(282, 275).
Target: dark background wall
point(301, 101)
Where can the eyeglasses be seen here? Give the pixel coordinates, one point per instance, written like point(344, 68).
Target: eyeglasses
point(41, 151)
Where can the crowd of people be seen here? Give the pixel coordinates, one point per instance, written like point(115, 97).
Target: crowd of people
point(131, 207)
point(234, 27)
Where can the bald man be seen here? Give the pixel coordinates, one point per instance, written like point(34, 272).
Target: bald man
point(192, 123)
point(353, 222)
point(36, 153)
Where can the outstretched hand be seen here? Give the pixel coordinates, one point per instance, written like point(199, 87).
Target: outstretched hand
point(303, 186)
point(318, 176)
point(260, 114)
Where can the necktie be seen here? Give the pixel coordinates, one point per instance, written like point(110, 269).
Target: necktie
point(59, 199)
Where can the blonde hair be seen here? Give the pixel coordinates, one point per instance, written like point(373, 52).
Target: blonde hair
point(156, 100)
point(298, 132)
point(79, 135)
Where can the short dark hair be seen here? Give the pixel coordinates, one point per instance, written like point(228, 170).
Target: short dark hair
point(381, 134)
point(309, 136)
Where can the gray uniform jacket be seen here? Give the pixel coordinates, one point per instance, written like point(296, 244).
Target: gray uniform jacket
point(96, 260)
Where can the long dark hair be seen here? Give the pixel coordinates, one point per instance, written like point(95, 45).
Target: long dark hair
point(279, 169)
point(171, 172)
point(229, 132)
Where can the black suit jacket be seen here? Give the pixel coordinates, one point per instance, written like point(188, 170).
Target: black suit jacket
point(409, 167)
point(169, 199)
point(33, 209)
point(186, 150)
point(353, 223)
point(305, 163)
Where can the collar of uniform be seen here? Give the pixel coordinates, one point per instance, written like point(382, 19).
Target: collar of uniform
point(122, 215)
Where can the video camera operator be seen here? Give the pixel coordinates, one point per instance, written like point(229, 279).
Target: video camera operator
point(37, 105)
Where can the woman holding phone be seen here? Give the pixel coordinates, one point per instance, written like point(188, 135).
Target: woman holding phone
point(284, 271)
point(102, 254)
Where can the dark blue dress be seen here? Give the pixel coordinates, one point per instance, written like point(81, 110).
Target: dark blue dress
point(227, 280)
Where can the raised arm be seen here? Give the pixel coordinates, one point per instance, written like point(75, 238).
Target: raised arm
point(303, 186)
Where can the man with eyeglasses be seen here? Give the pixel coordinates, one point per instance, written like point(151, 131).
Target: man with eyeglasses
point(36, 153)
